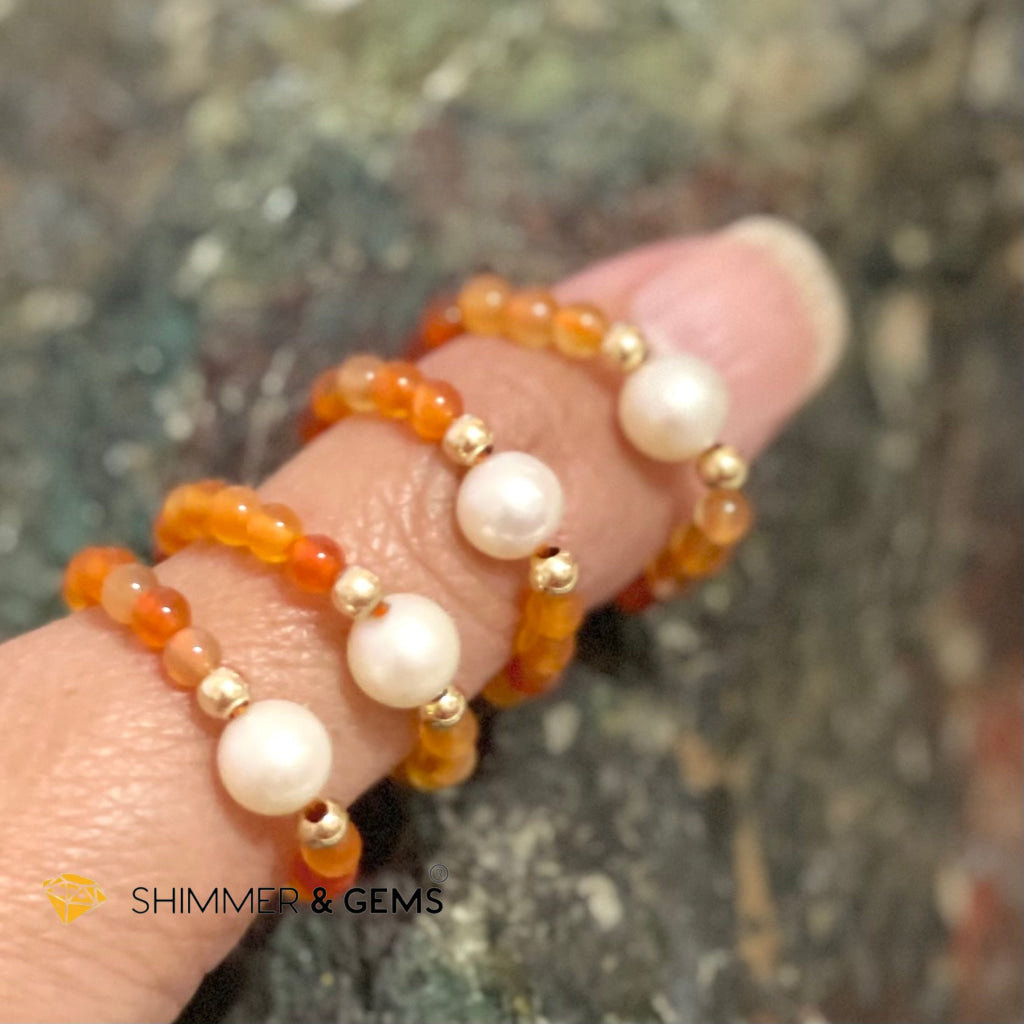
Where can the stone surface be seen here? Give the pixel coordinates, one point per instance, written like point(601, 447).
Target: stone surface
point(793, 796)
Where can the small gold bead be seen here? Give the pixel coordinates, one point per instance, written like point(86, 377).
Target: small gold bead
point(445, 709)
point(722, 466)
point(623, 347)
point(554, 571)
point(467, 440)
point(323, 823)
point(356, 592)
point(222, 693)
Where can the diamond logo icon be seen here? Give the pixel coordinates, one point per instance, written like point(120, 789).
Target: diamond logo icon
point(73, 895)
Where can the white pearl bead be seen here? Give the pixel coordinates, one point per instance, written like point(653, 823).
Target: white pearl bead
point(509, 504)
point(408, 655)
point(673, 407)
point(274, 757)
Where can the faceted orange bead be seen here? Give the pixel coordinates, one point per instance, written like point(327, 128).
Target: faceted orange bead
point(85, 573)
point(500, 693)
point(325, 400)
point(578, 330)
point(230, 513)
point(355, 382)
point(123, 586)
point(394, 384)
point(158, 614)
point(427, 772)
point(271, 531)
point(190, 656)
point(695, 556)
point(304, 880)
point(449, 741)
point(441, 321)
point(313, 563)
point(338, 860)
point(554, 615)
point(482, 303)
point(529, 316)
point(434, 405)
point(724, 515)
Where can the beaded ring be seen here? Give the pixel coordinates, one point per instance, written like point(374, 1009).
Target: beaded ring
point(273, 756)
point(402, 649)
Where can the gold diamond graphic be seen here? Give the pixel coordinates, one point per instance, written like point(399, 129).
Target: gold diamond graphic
point(73, 895)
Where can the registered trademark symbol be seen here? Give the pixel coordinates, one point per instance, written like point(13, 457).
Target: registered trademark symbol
point(438, 873)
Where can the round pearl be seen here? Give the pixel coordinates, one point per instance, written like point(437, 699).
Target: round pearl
point(408, 655)
point(274, 757)
point(673, 407)
point(509, 504)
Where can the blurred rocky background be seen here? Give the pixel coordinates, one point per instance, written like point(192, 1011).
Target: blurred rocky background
point(793, 796)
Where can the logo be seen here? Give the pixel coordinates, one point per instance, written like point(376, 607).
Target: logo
point(73, 895)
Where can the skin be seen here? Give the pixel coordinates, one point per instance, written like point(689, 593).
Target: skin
point(108, 771)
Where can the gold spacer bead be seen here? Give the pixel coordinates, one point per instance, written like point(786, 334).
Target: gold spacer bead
point(623, 347)
point(356, 592)
point(446, 709)
point(323, 823)
point(223, 693)
point(467, 440)
point(554, 571)
point(722, 466)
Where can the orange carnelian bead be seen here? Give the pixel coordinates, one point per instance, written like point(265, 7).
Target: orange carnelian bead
point(434, 405)
point(482, 303)
point(158, 614)
point(313, 563)
point(325, 400)
point(500, 692)
point(309, 426)
point(424, 771)
point(85, 573)
point(547, 657)
point(449, 740)
point(167, 539)
point(554, 615)
point(636, 597)
point(441, 321)
point(578, 330)
point(271, 531)
point(394, 384)
point(355, 381)
point(662, 567)
point(123, 586)
point(304, 880)
point(694, 555)
point(338, 860)
point(190, 656)
point(185, 513)
point(529, 315)
point(230, 512)
point(724, 515)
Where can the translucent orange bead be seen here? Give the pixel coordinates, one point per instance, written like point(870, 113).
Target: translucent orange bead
point(158, 614)
point(166, 537)
point(449, 740)
point(424, 771)
point(547, 658)
point(578, 330)
point(230, 512)
point(304, 880)
point(85, 573)
point(313, 563)
point(355, 382)
point(123, 586)
point(529, 316)
point(694, 555)
point(441, 321)
point(271, 531)
point(500, 693)
point(185, 513)
point(636, 597)
point(338, 860)
point(325, 400)
point(724, 515)
point(482, 303)
point(190, 656)
point(662, 567)
point(434, 405)
point(394, 384)
point(554, 615)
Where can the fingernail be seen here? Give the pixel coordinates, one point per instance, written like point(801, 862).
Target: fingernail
point(811, 274)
